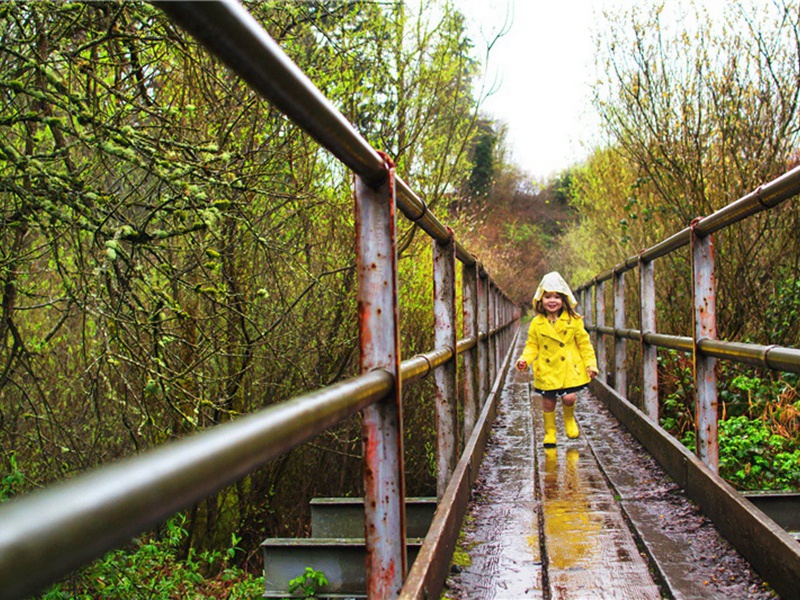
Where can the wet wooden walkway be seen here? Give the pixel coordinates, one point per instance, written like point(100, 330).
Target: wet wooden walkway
point(594, 517)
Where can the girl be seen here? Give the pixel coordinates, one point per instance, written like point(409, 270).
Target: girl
point(560, 352)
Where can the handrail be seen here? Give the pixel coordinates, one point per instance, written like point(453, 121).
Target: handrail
point(230, 32)
point(777, 358)
point(703, 344)
point(762, 198)
point(45, 535)
point(96, 512)
point(235, 37)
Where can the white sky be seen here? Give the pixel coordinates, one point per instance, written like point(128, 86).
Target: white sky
point(544, 67)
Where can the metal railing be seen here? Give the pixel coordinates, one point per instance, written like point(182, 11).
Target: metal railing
point(45, 535)
point(703, 344)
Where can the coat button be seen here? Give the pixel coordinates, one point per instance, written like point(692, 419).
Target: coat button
point(563, 358)
point(561, 344)
point(545, 346)
point(547, 360)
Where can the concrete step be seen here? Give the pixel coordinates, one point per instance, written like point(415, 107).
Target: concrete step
point(344, 517)
point(336, 547)
point(342, 560)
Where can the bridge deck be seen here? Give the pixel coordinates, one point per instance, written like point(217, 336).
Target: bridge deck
point(594, 518)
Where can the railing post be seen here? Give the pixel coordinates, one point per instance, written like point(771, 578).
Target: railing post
point(587, 315)
point(469, 282)
point(704, 298)
point(444, 316)
point(483, 339)
point(491, 323)
point(382, 422)
point(600, 303)
point(647, 318)
point(498, 340)
point(620, 343)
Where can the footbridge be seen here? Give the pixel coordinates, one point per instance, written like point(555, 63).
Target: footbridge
point(625, 511)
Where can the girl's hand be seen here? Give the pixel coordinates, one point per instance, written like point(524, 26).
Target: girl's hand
point(592, 373)
point(521, 365)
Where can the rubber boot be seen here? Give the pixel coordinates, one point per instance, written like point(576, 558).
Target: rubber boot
point(570, 426)
point(549, 429)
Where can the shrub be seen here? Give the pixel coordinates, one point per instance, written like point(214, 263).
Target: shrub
point(155, 569)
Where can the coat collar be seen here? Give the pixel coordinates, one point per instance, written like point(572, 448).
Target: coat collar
point(561, 325)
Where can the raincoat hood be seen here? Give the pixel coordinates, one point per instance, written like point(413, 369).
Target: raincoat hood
point(553, 282)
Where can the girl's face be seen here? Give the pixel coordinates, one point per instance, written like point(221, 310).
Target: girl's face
point(552, 302)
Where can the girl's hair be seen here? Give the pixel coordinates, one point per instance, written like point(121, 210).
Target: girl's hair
point(565, 305)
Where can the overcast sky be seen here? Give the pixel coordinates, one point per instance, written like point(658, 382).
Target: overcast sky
point(544, 67)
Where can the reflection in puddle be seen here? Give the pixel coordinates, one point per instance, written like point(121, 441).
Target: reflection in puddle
point(570, 530)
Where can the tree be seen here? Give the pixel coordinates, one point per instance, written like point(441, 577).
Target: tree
point(482, 175)
point(705, 112)
point(174, 254)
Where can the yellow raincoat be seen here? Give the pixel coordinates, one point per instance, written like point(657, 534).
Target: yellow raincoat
point(559, 354)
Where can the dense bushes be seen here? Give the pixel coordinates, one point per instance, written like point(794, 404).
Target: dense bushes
point(155, 566)
point(174, 253)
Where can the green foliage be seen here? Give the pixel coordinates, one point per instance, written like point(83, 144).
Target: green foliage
point(309, 584)
point(676, 391)
point(751, 457)
point(524, 233)
point(175, 253)
point(12, 481)
point(155, 568)
point(759, 437)
point(782, 309)
point(482, 175)
point(697, 113)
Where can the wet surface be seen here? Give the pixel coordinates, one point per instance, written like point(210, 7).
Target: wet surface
point(590, 550)
point(556, 523)
point(504, 544)
point(691, 557)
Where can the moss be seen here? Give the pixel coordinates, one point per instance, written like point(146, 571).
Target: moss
point(461, 557)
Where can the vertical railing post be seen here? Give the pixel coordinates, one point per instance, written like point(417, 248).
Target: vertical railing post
point(620, 343)
point(600, 303)
point(498, 340)
point(588, 319)
point(469, 282)
point(490, 326)
point(704, 298)
point(382, 422)
point(647, 317)
point(444, 317)
point(483, 340)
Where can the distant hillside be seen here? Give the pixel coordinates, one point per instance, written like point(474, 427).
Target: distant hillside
point(513, 228)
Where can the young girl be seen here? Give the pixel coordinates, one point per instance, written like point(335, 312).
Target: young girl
point(561, 353)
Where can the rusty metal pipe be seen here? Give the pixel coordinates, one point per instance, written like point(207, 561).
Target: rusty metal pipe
point(381, 422)
point(236, 38)
point(444, 319)
point(47, 534)
point(763, 198)
point(704, 299)
point(777, 358)
point(421, 365)
point(227, 30)
point(466, 343)
point(771, 357)
point(674, 342)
